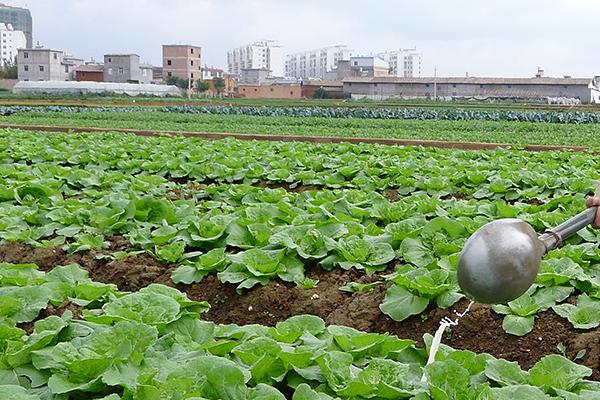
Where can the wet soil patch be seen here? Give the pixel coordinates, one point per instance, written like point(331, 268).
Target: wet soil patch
point(479, 331)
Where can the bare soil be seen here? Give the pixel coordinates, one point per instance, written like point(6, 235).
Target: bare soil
point(479, 331)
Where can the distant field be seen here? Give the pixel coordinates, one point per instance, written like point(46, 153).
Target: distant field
point(482, 131)
point(7, 98)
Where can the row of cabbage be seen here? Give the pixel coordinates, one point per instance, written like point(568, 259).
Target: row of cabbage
point(152, 345)
point(249, 236)
point(499, 174)
point(562, 117)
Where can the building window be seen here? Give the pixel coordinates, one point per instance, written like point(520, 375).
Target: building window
point(454, 85)
point(67, 69)
point(192, 63)
point(109, 59)
point(271, 89)
point(121, 70)
point(244, 89)
point(25, 54)
point(55, 56)
point(192, 51)
point(292, 93)
point(480, 86)
point(427, 85)
point(26, 68)
point(375, 85)
point(110, 71)
point(510, 86)
point(41, 68)
point(192, 75)
point(168, 62)
point(169, 73)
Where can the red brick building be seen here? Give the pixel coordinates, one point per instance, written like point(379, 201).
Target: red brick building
point(90, 73)
point(182, 61)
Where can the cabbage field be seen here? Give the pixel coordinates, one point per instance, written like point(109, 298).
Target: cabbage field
point(512, 127)
point(160, 267)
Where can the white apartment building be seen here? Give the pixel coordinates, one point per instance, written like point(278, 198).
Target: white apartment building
point(315, 64)
point(266, 54)
point(10, 42)
point(404, 63)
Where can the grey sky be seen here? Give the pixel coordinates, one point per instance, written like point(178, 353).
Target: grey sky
point(482, 37)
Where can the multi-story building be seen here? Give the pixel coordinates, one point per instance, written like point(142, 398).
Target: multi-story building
point(41, 64)
point(126, 68)
point(267, 54)
point(315, 64)
point(10, 42)
point(368, 66)
point(20, 19)
point(210, 72)
point(182, 61)
point(404, 63)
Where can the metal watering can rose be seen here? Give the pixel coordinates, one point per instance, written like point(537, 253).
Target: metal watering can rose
point(500, 261)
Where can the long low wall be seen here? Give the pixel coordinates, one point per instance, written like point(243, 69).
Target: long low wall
point(7, 84)
point(385, 90)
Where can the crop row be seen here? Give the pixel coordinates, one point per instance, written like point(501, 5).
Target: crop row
point(499, 174)
point(478, 131)
point(151, 344)
point(340, 112)
point(249, 236)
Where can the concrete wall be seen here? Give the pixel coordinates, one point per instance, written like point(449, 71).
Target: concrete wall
point(122, 68)
point(8, 84)
point(41, 65)
point(426, 90)
point(254, 76)
point(270, 91)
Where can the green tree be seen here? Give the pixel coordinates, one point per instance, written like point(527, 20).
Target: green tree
point(320, 93)
point(219, 84)
point(202, 86)
point(177, 81)
point(9, 71)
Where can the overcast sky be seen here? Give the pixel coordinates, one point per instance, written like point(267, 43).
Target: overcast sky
point(482, 37)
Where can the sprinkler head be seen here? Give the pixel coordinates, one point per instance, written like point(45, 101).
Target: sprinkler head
point(500, 261)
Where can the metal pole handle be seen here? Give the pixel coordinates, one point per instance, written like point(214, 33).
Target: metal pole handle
point(553, 238)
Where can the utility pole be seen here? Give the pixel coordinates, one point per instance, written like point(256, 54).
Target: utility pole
point(189, 87)
point(435, 84)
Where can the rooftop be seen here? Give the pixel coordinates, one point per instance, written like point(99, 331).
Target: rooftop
point(41, 49)
point(181, 45)
point(121, 55)
point(473, 80)
point(90, 68)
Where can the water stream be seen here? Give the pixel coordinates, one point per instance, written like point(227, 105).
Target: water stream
point(437, 338)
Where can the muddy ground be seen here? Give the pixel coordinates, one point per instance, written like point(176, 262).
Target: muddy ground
point(479, 331)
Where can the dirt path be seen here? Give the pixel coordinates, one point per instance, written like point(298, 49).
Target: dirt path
point(300, 138)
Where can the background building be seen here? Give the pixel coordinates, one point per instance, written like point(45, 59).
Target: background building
point(46, 65)
point(10, 42)
point(89, 73)
point(209, 73)
point(539, 88)
point(126, 68)
point(315, 64)
point(404, 63)
point(20, 19)
point(267, 54)
point(182, 61)
point(368, 66)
